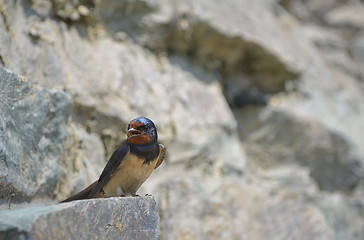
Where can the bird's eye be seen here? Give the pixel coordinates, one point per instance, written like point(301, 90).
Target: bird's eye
point(144, 128)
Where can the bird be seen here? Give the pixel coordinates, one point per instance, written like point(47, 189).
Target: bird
point(130, 165)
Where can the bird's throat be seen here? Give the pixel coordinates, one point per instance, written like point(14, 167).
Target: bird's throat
point(141, 139)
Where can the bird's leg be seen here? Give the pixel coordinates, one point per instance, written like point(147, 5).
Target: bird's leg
point(121, 192)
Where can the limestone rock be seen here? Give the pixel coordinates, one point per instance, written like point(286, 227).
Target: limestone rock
point(195, 207)
point(41, 153)
point(280, 139)
point(358, 52)
point(135, 82)
point(84, 163)
point(33, 124)
point(279, 203)
point(290, 70)
point(113, 218)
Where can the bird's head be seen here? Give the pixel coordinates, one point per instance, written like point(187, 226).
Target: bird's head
point(141, 131)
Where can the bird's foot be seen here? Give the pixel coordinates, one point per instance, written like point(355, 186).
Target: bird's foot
point(122, 195)
point(136, 195)
point(148, 195)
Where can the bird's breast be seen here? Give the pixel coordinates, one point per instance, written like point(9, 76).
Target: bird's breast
point(129, 176)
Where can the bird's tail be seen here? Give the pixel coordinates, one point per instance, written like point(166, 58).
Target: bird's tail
point(80, 195)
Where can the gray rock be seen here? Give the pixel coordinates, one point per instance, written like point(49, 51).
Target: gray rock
point(211, 207)
point(180, 63)
point(73, 10)
point(84, 163)
point(135, 82)
point(280, 139)
point(33, 128)
point(113, 218)
point(340, 211)
point(215, 44)
point(357, 52)
point(278, 203)
point(310, 11)
point(347, 15)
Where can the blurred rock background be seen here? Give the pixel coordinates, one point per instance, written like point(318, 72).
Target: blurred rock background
point(259, 103)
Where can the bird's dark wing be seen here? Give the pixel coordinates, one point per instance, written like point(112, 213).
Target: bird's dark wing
point(82, 194)
point(116, 158)
point(162, 154)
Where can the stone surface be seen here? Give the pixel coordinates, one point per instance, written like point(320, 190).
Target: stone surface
point(279, 139)
point(33, 129)
point(272, 205)
point(277, 203)
point(259, 103)
point(113, 218)
point(84, 163)
point(136, 82)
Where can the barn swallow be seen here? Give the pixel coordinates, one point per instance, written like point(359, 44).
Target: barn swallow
point(130, 165)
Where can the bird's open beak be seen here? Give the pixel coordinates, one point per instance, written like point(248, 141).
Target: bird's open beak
point(133, 132)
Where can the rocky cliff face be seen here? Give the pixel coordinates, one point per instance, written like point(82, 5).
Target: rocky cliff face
point(259, 103)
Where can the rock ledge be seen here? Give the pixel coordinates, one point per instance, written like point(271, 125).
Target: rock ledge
point(113, 218)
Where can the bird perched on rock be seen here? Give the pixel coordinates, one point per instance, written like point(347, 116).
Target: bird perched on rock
point(130, 165)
